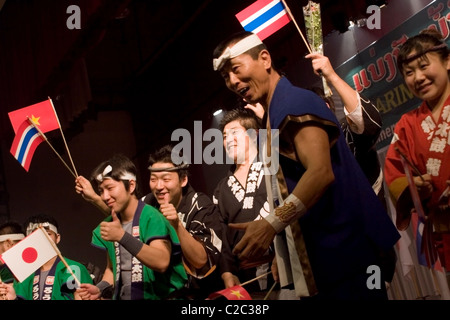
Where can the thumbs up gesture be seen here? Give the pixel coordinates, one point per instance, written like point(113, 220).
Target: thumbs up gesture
point(169, 211)
point(112, 231)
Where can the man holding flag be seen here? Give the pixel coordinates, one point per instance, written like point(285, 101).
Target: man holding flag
point(328, 217)
point(144, 259)
point(193, 215)
point(52, 279)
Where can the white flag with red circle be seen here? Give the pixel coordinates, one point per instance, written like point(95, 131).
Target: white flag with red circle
point(29, 254)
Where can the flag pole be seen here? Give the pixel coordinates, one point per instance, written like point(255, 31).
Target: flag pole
point(296, 25)
point(251, 280)
point(46, 140)
point(416, 170)
point(60, 256)
point(270, 291)
point(62, 133)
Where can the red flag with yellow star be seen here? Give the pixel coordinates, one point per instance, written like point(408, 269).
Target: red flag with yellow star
point(233, 293)
point(42, 114)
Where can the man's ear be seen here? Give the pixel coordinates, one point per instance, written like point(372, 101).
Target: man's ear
point(132, 184)
point(9, 243)
point(184, 181)
point(58, 238)
point(264, 55)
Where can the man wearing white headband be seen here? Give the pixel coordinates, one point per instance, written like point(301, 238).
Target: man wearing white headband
point(325, 213)
point(236, 50)
point(142, 249)
point(194, 217)
point(192, 214)
point(10, 233)
point(52, 281)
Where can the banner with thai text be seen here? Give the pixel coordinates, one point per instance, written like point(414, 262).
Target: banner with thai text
point(373, 72)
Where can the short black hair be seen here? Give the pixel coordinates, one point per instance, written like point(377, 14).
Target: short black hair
point(120, 164)
point(426, 41)
point(11, 227)
point(246, 117)
point(41, 218)
point(164, 155)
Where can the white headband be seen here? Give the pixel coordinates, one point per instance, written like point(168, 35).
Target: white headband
point(47, 225)
point(239, 48)
point(169, 169)
point(12, 236)
point(104, 175)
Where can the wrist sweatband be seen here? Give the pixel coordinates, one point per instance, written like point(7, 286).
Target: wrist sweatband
point(102, 285)
point(292, 208)
point(130, 243)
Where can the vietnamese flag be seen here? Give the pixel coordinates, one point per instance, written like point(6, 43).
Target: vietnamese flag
point(42, 114)
point(29, 254)
point(233, 293)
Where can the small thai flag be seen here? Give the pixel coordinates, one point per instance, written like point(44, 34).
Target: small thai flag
point(418, 232)
point(264, 17)
point(25, 143)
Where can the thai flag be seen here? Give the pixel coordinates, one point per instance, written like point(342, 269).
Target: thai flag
point(417, 227)
point(25, 143)
point(264, 17)
point(418, 231)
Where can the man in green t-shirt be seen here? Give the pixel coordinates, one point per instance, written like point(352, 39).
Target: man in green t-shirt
point(142, 248)
point(53, 280)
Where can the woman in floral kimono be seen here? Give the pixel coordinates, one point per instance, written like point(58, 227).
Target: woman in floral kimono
point(421, 144)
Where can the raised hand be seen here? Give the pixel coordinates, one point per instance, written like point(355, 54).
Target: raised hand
point(112, 231)
point(169, 211)
point(84, 187)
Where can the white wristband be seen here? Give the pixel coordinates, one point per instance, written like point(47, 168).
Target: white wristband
point(292, 209)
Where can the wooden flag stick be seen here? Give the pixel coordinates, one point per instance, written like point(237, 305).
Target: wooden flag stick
point(65, 143)
point(444, 194)
point(270, 291)
point(258, 277)
point(296, 25)
point(410, 163)
point(45, 138)
point(60, 256)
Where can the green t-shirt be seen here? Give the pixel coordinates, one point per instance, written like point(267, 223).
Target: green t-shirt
point(62, 284)
point(6, 274)
point(152, 225)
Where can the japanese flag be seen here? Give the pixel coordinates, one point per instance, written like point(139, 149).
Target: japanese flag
point(29, 254)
